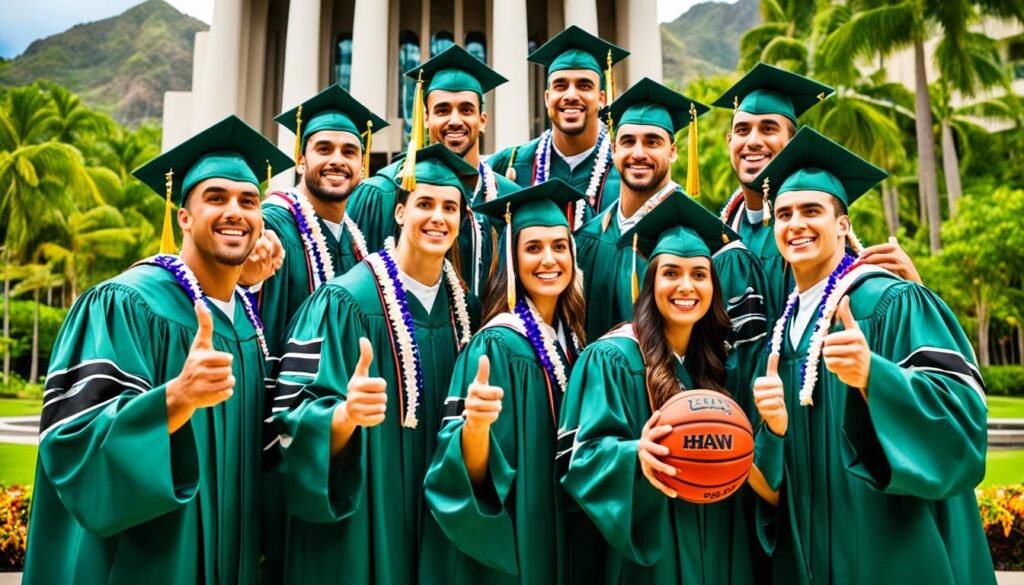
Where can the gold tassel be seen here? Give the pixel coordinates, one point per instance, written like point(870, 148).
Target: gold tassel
point(510, 277)
point(270, 173)
point(725, 238)
point(415, 138)
point(609, 81)
point(767, 204)
point(611, 127)
point(735, 103)
point(821, 97)
point(634, 283)
point(510, 172)
point(367, 147)
point(692, 160)
point(298, 136)
point(167, 245)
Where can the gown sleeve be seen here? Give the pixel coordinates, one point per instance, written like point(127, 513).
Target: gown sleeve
point(321, 351)
point(466, 512)
point(923, 430)
point(600, 419)
point(104, 441)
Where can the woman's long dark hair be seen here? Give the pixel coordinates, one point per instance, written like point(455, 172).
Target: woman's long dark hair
point(453, 254)
point(571, 306)
point(705, 356)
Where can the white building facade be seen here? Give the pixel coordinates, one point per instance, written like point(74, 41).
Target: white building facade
point(262, 57)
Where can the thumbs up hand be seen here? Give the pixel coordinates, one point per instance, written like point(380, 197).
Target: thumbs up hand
point(770, 399)
point(366, 402)
point(483, 401)
point(205, 378)
point(846, 352)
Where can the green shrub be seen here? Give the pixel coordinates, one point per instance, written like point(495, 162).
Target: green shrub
point(1004, 380)
point(18, 387)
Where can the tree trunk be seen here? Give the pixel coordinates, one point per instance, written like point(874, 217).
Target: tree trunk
point(926, 171)
point(890, 205)
point(7, 316)
point(951, 168)
point(33, 373)
point(1020, 344)
point(983, 351)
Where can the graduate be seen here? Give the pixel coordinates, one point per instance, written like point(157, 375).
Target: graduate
point(332, 144)
point(875, 430)
point(491, 485)
point(149, 451)
point(453, 85)
point(610, 420)
point(578, 146)
point(361, 389)
point(646, 118)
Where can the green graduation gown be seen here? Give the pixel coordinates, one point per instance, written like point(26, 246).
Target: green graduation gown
point(579, 177)
point(882, 491)
point(760, 241)
point(357, 518)
point(372, 207)
point(650, 538)
point(117, 499)
point(503, 531)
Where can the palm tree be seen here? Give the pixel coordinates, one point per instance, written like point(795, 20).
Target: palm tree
point(882, 27)
point(779, 39)
point(36, 277)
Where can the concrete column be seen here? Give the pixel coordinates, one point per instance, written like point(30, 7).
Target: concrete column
point(177, 119)
point(370, 44)
point(221, 78)
point(509, 49)
point(582, 13)
point(643, 39)
point(301, 63)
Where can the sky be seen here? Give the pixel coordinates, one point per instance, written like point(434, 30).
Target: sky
point(20, 25)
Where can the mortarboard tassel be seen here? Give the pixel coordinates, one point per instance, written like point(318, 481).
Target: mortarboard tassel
point(765, 189)
point(692, 159)
point(609, 81)
point(415, 137)
point(367, 147)
point(270, 173)
point(634, 282)
point(510, 172)
point(167, 245)
point(510, 277)
point(611, 127)
point(298, 136)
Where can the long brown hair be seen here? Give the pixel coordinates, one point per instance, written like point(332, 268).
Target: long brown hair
point(452, 254)
point(705, 356)
point(571, 305)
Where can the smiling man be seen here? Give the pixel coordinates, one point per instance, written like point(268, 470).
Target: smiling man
point(878, 421)
point(577, 147)
point(454, 84)
point(149, 453)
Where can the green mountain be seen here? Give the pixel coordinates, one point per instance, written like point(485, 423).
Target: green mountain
point(705, 40)
point(120, 65)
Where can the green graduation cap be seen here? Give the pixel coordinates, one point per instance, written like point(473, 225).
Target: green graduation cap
point(547, 204)
point(456, 69)
point(650, 103)
point(679, 226)
point(767, 89)
point(230, 149)
point(332, 109)
point(812, 162)
point(575, 48)
point(436, 165)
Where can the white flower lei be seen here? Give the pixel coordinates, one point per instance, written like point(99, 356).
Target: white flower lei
point(728, 207)
point(358, 239)
point(488, 182)
point(549, 345)
point(542, 161)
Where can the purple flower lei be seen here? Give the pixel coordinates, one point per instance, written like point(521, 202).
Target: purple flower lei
point(190, 285)
point(403, 306)
point(838, 273)
point(535, 338)
point(543, 152)
point(307, 234)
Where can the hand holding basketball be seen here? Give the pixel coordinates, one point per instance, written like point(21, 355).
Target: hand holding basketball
point(483, 401)
point(846, 352)
point(770, 400)
point(648, 450)
point(366, 402)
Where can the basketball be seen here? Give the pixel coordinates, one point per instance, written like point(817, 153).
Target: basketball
point(711, 445)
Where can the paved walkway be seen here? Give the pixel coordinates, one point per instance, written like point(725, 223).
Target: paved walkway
point(22, 430)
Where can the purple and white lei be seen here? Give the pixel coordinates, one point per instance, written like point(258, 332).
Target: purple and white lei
point(542, 162)
point(188, 282)
point(312, 237)
point(543, 344)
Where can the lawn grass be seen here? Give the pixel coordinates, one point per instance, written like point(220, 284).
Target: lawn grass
point(1005, 407)
point(17, 463)
point(20, 406)
point(1004, 467)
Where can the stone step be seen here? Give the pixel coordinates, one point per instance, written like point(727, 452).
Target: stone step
point(1006, 423)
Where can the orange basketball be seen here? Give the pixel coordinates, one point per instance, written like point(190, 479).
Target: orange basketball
point(711, 445)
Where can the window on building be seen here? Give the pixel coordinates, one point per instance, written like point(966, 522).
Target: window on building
point(408, 58)
point(342, 71)
point(441, 41)
point(1015, 57)
point(476, 45)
